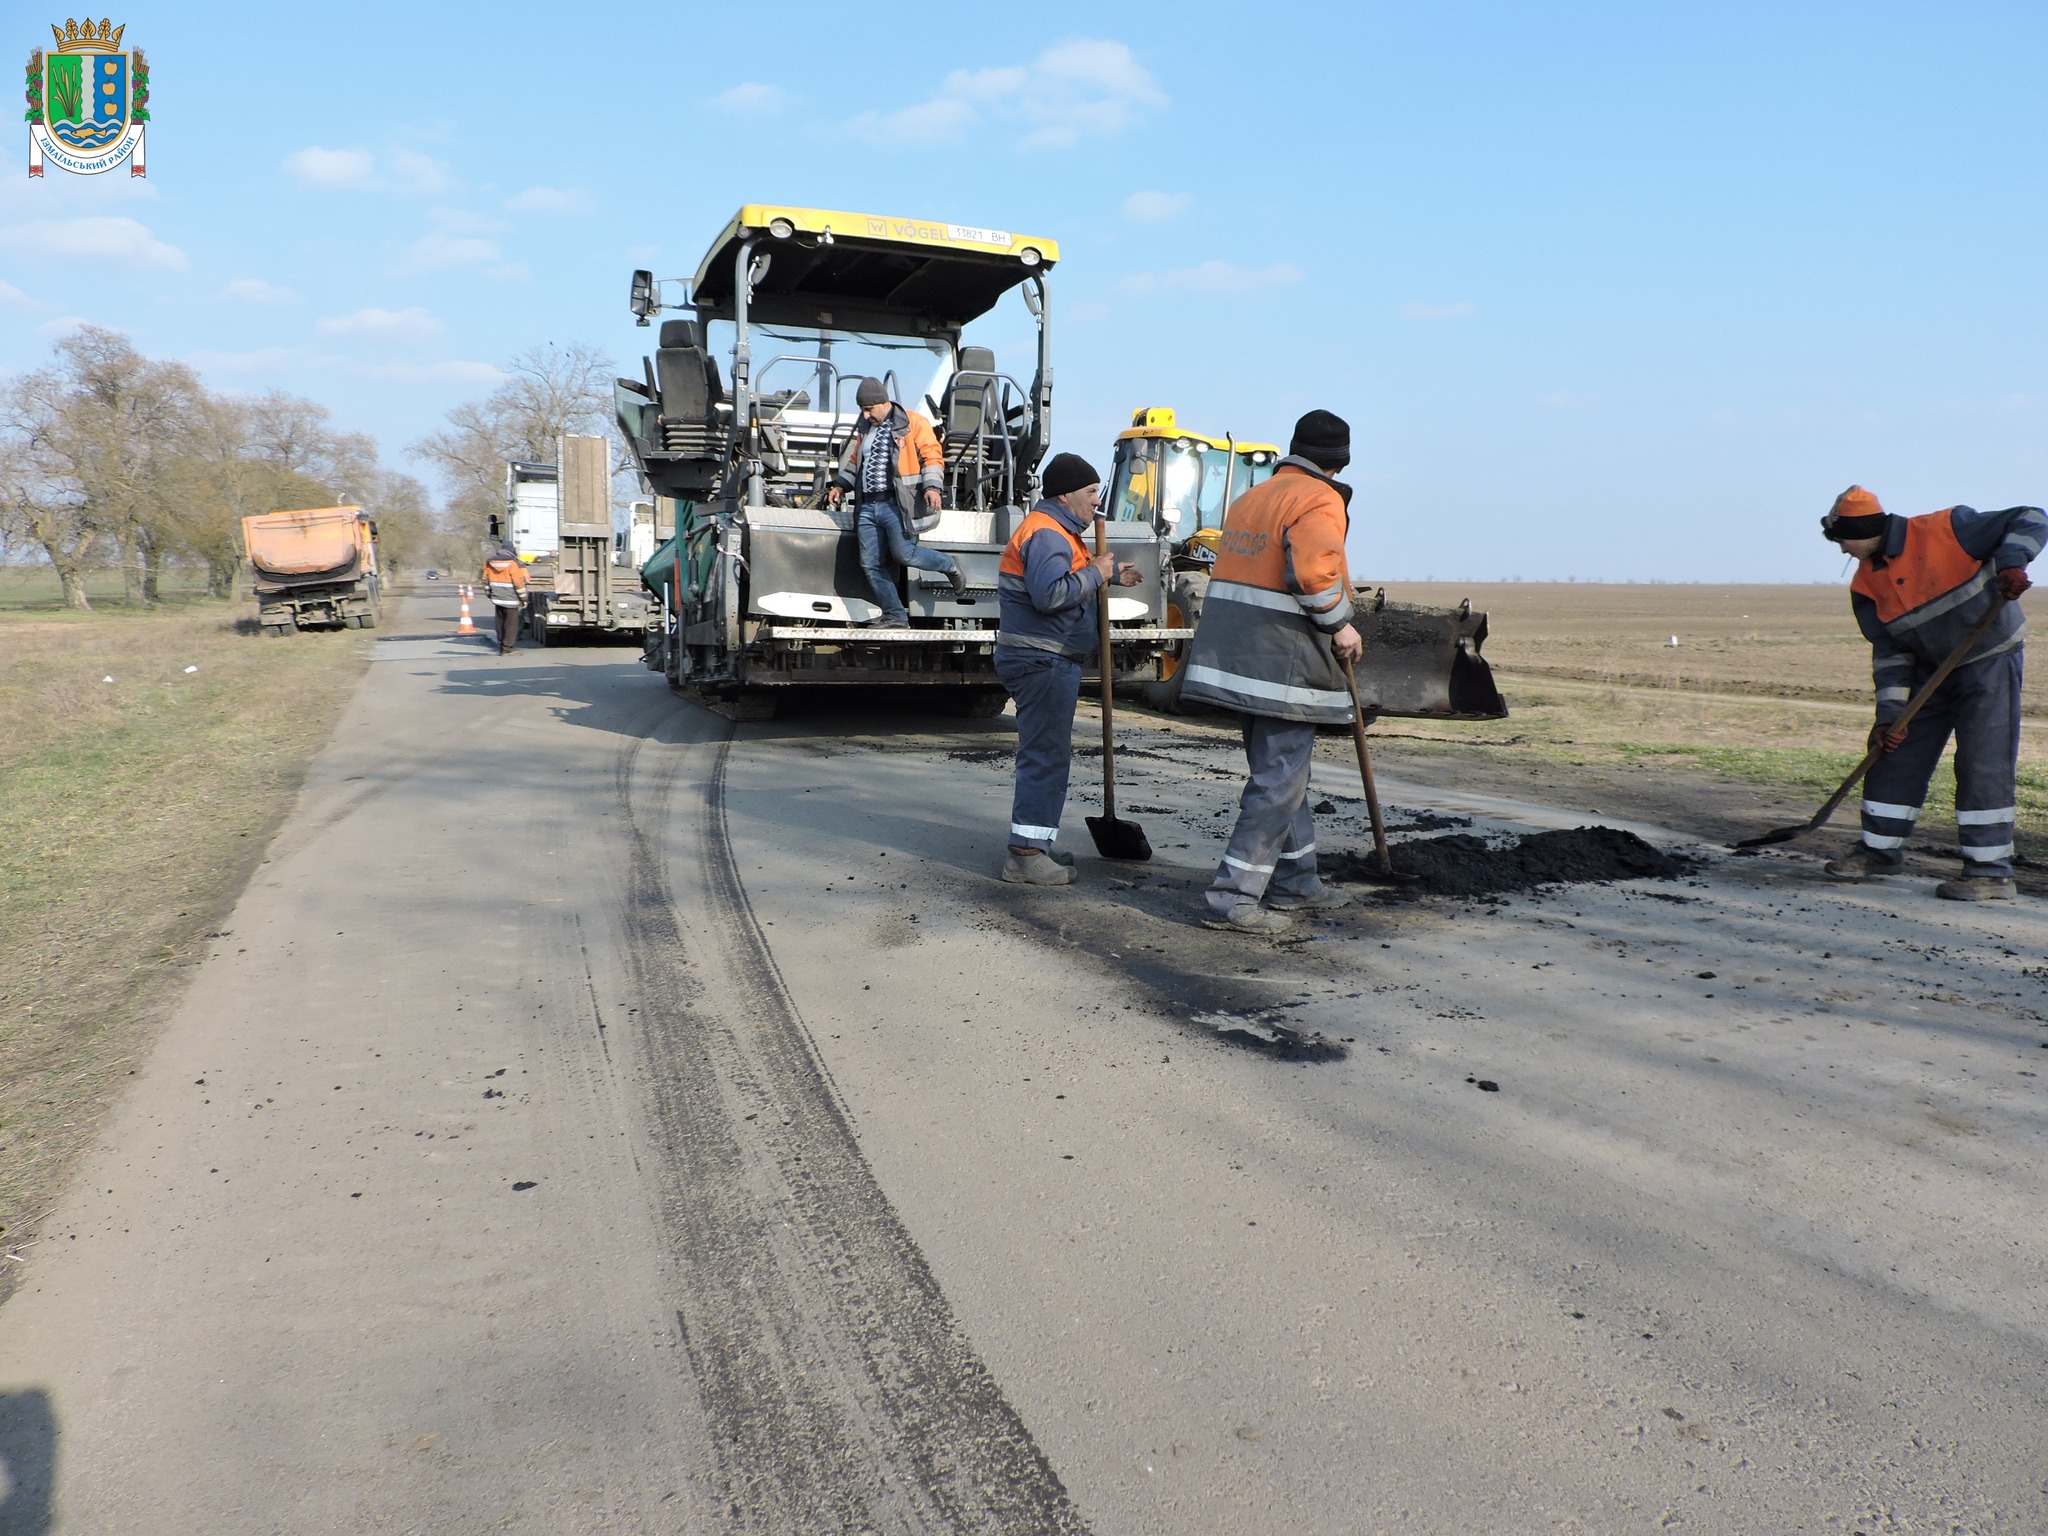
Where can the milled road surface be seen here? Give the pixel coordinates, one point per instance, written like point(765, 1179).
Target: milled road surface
point(601, 1117)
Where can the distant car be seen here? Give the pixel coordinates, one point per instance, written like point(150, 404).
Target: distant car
point(433, 575)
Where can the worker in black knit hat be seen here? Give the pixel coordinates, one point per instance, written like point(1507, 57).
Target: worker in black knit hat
point(1048, 588)
point(1271, 645)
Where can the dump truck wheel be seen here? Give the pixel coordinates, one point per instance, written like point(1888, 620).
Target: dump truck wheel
point(1183, 611)
point(276, 631)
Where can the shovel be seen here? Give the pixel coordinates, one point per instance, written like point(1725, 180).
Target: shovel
point(1819, 817)
point(1114, 839)
point(1386, 874)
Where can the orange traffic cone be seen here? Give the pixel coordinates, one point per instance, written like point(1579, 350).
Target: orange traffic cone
point(468, 626)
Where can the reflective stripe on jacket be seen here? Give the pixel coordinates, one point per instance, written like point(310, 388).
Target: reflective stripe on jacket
point(1280, 588)
point(920, 461)
point(1928, 587)
point(513, 571)
point(1047, 587)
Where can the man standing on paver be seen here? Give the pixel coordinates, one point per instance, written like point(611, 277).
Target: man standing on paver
point(1921, 585)
point(1048, 587)
point(504, 577)
point(893, 464)
point(1274, 634)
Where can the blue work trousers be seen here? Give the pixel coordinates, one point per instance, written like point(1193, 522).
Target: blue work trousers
point(1980, 706)
point(1273, 846)
point(1046, 688)
point(884, 547)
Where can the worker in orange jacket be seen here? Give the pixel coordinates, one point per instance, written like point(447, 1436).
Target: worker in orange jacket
point(504, 579)
point(1271, 645)
point(897, 470)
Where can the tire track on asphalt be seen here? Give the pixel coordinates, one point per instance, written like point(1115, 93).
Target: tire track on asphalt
point(842, 1394)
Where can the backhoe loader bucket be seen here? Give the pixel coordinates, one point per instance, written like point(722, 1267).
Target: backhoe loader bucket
point(1423, 663)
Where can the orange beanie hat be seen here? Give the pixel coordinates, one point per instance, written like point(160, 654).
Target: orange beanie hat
point(1855, 515)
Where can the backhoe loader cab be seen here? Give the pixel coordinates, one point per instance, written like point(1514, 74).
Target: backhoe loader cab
point(747, 404)
point(1182, 482)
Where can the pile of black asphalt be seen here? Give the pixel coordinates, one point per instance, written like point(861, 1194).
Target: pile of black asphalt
point(1462, 864)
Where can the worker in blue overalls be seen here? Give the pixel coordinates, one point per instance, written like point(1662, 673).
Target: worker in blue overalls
point(1922, 586)
point(1048, 587)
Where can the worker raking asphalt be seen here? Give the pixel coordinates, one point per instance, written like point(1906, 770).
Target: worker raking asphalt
point(1461, 864)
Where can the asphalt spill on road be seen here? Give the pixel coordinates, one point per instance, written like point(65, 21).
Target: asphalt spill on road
point(1462, 864)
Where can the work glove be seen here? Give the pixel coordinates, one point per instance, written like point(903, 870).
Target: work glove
point(2012, 581)
point(1889, 737)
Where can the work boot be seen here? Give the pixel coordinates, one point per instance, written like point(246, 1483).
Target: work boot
point(958, 578)
point(1060, 857)
point(1862, 863)
point(1254, 920)
point(1975, 888)
point(1035, 868)
point(1325, 898)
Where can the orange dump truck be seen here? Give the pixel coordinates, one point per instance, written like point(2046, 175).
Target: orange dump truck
point(314, 568)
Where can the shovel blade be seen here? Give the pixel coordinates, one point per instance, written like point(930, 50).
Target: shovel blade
point(1116, 838)
point(1775, 835)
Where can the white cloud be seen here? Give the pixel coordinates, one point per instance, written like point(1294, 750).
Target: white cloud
point(443, 250)
point(385, 325)
point(410, 171)
point(548, 200)
point(1457, 311)
point(1089, 87)
point(358, 170)
point(318, 167)
point(1567, 400)
point(62, 325)
point(120, 240)
point(254, 290)
point(14, 298)
point(451, 371)
point(1156, 207)
point(1214, 277)
point(749, 98)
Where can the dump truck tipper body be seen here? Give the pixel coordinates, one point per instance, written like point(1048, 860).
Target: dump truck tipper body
point(314, 568)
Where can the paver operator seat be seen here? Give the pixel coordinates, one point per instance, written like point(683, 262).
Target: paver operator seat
point(691, 392)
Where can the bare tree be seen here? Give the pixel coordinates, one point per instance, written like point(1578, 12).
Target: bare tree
point(96, 437)
point(547, 391)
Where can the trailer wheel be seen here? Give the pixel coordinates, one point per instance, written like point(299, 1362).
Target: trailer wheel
point(1183, 611)
point(276, 631)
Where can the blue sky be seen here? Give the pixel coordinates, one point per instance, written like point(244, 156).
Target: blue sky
point(1606, 291)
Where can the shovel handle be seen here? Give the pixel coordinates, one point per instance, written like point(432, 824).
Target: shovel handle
point(1953, 660)
point(1381, 854)
point(1104, 663)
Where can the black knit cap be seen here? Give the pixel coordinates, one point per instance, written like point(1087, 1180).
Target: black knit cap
point(872, 392)
point(1323, 439)
point(1066, 472)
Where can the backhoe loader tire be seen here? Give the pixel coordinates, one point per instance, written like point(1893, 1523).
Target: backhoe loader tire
point(1183, 611)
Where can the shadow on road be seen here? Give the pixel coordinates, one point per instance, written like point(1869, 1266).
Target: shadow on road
point(28, 1462)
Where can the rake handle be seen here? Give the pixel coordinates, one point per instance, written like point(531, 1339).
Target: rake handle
point(1372, 795)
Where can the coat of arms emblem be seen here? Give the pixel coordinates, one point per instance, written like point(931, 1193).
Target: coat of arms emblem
point(87, 101)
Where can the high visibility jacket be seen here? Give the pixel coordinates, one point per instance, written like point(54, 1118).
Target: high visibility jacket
point(513, 571)
point(920, 462)
point(1047, 588)
point(1279, 589)
point(1928, 586)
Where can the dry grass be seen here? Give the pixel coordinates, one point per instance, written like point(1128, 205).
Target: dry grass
point(132, 812)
